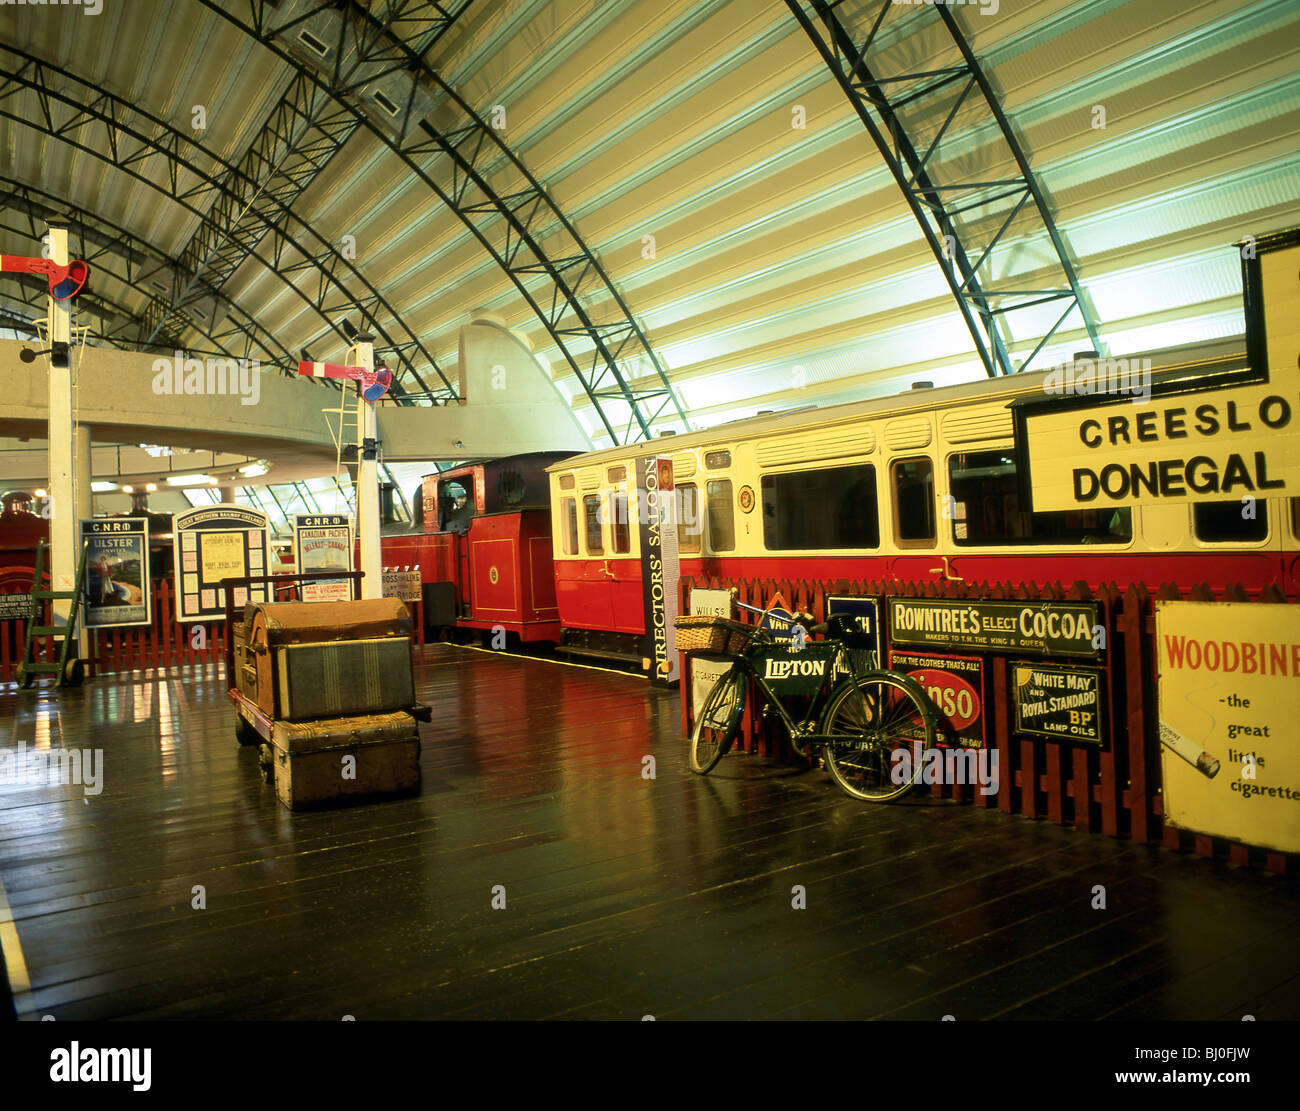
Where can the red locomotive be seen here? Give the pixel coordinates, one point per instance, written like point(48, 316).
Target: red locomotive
point(483, 548)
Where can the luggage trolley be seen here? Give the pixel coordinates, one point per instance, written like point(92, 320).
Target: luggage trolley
point(326, 689)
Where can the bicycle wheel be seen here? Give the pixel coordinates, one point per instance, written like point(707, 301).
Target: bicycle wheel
point(718, 722)
point(870, 720)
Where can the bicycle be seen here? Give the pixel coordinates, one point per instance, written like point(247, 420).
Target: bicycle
point(859, 717)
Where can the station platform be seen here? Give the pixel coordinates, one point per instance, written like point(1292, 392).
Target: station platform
point(625, 896)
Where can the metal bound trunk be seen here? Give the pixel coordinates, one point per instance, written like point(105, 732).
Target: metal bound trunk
point(344, 677)
point(338, 759)
point(327, 659)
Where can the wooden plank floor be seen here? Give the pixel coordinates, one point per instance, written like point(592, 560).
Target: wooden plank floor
point(624, 896)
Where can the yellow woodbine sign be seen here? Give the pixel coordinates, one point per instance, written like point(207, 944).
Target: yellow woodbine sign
point(1199, 445)
point(1229, 685)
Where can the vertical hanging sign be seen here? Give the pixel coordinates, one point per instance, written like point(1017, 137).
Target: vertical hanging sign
point(323, 542)
point(659, 566)
point(215, 543)
point(116, 590)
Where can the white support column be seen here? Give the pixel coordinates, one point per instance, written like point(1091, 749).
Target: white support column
point(62, 486)
point(81, 447)
point(372, 586)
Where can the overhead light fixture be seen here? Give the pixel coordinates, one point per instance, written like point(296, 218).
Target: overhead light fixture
point(106, 487)
point(128, 489)
point(39, 493)
point(151, 487)
point(253, 470)
point(189, 480)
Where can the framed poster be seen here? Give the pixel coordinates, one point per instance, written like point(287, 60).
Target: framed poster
point(1027, 628)
point(211, 544)
point(1229, 685)
point(323, 542)
point(955, 684)
point(116, 591)
point(1060, 703)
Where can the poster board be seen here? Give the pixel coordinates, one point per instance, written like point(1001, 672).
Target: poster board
point(955, 685)
point(704, 672)
point(323, 542)
point(1026, 628)
point(1059, 703)
point(116, 589)
point(213, 543)
point(1229, 686)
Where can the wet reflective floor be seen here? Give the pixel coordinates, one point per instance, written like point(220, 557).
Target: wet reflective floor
point(674, 896)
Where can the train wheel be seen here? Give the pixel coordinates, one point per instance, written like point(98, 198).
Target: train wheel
point(74, 671)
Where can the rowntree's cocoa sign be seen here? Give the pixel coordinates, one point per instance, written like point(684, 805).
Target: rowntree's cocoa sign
point(1037, 628)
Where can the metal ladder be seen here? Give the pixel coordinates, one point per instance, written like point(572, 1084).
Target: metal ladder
point(68, 671)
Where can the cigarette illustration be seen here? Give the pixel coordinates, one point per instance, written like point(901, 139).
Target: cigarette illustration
point(1190, 751)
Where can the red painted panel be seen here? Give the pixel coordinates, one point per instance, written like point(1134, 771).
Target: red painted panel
point(496, 589)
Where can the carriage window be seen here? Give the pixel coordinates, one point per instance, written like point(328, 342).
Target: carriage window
point(569, 526)
point(566, 482)
point(914, 501)
point(722, 524)
point(455, 504)
point(620, 533)
point(833, 508)
point(1223, 522)
point(616, 474)
point(591, 518)
point(986, 509)
point(688, 520)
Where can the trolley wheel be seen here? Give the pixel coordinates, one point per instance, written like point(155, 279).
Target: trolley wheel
point(718, 721)
point(266, 761)
point(245, 734)
point(74, 671)
point(869, 721)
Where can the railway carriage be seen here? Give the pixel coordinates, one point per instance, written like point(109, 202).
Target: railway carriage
point(924, 485)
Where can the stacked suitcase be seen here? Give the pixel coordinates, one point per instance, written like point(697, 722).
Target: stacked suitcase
point(335, 680)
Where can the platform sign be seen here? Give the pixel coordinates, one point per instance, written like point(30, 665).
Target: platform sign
point(660, 569)
point(1184, 436)
point(1060, 703)
point(116, 591)
point(15, 607)
point(1029, 628)
point(1229, 688)
point(323, 542)
point(211, 544)
point(778, 620)
point(402, 584)
point(955, 685)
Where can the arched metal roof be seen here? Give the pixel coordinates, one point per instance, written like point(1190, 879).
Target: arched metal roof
point(737, 234)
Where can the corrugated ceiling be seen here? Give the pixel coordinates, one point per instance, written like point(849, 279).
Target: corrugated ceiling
point(786, 268)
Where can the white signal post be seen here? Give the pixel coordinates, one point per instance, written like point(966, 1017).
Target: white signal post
point(69, 502)
point(372, 583)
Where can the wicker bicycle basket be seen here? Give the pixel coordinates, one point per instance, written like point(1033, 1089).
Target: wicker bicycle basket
point(702, 633)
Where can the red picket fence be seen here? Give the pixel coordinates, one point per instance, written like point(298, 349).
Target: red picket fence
point(1115, 790)
point(164, 643)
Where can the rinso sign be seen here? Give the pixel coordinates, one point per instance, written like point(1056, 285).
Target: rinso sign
point(1198, 437)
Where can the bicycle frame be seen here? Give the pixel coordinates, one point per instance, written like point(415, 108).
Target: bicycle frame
point(801, 731)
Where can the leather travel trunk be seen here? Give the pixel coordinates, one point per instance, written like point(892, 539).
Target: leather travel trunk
point(308, 759)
